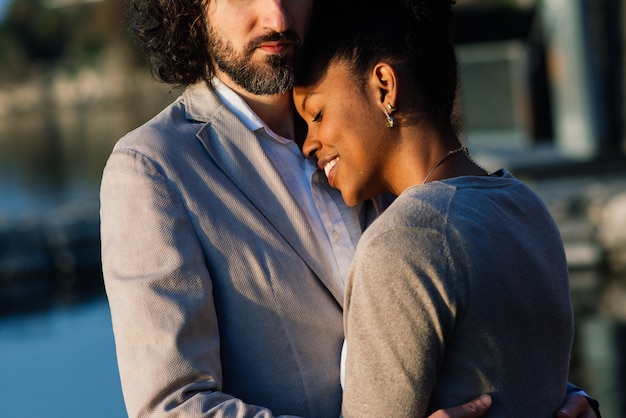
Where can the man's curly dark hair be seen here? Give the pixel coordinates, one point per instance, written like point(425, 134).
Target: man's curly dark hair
point(173, 35)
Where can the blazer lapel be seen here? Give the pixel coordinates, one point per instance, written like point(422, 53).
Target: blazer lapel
point(239, 155)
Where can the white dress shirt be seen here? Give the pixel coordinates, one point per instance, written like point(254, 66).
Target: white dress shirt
point(335, 226)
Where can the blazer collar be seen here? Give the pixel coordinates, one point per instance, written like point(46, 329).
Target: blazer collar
point(238, 153)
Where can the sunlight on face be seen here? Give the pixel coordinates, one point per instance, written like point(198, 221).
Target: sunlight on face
point(254, 43)
point(345, 133)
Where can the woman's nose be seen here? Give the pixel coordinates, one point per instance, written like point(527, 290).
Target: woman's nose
point(310, 147)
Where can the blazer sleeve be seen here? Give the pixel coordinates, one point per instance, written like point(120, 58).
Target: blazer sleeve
point(160, 296)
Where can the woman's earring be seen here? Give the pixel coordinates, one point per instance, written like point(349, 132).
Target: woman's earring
point(389, 120)
point(391, 107)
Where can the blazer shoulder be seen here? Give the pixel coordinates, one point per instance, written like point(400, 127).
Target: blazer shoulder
point(196, 107)
point(169, 127)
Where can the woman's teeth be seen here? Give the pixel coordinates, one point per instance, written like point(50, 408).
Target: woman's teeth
point(329, 166)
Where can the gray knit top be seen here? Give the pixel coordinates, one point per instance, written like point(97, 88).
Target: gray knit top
point(459, 288)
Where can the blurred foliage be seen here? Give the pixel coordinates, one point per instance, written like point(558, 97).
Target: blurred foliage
point(39, 36)
point(496, 4)
point(42, 35)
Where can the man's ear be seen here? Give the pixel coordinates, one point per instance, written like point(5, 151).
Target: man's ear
point(385, 83)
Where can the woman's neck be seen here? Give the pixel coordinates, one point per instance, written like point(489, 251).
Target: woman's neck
point(425, 155)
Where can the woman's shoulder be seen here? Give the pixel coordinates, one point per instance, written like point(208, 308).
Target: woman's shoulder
point(419, 207)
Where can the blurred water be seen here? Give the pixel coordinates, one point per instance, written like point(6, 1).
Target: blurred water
point(60, 364)
point(55, 158)
point(4, 4)
point(57, 354)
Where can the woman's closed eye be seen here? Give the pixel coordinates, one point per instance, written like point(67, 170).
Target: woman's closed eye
point(317, 117)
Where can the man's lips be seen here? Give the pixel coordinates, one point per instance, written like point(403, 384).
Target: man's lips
point(276, 42)
point(275, 47)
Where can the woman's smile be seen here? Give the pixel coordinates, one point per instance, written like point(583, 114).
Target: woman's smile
point(328, 170)
point(344, 133)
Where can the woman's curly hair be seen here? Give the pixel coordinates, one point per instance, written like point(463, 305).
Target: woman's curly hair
point(173, 35)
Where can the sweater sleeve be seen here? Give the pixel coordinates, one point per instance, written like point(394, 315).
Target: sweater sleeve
point(400, 308)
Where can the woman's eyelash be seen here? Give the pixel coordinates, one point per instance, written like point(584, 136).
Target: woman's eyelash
point(317, 117)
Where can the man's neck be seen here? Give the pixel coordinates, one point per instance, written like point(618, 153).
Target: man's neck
point(275, 110)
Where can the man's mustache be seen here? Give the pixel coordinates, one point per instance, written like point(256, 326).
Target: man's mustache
point(275, 37)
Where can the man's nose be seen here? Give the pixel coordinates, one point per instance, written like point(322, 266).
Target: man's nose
point(276, 16)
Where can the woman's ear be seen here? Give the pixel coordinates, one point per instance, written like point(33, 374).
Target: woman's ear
point(385, 82)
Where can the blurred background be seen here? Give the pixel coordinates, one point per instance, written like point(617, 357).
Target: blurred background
point(542, 95)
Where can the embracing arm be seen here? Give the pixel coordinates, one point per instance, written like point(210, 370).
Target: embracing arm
point(381, 325)
point(473, 409)
point(160, 295)
point(578, 405)
point(394, 343)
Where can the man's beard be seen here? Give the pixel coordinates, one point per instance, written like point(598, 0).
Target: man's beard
point(273, 76)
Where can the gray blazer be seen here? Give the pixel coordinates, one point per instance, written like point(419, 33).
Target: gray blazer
point(219, 302)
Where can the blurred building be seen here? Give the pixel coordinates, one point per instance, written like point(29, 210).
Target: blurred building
point(543, 78)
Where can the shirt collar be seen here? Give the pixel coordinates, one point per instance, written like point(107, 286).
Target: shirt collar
point(236, 104)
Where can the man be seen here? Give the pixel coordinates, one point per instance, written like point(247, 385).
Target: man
point(223, 251)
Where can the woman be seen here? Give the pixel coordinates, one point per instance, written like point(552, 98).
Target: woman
point(461, 286)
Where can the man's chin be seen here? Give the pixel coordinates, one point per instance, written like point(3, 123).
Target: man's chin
point(270, 85)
